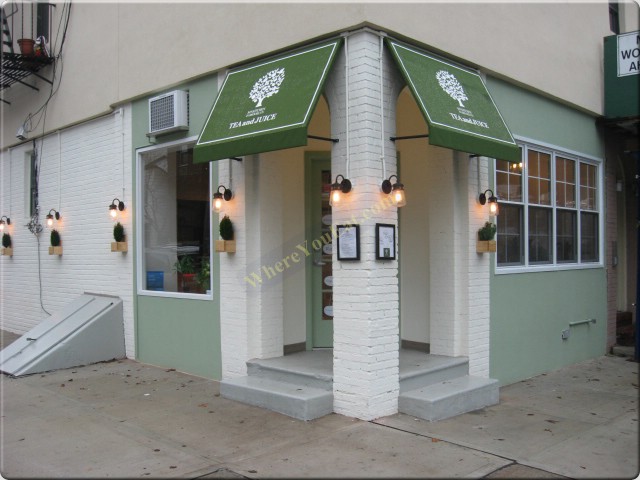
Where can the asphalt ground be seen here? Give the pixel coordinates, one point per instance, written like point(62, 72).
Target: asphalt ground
point(124, 419)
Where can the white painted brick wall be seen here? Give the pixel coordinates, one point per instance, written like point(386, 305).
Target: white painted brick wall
point(82, 170)
point(365, 293)
point(478, 278)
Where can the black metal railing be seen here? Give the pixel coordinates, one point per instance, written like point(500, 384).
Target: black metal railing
point(27, 29)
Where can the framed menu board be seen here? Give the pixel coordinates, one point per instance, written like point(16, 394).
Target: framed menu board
point(348, 242)
point(385, 241)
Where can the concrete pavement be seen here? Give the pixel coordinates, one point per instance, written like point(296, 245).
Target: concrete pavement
point(126, 419)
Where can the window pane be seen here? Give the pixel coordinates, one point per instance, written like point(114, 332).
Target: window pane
point(502, 185)
point(176, 221)
point(566, 235)
point(539, 235)
point(508, 181)
point(509, 238)
point(565, 183)
point(539, 178)
point(588, 186)
point(589, 237)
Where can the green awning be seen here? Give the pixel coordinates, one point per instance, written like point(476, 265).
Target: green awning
point(456, 104)
point(266, 106)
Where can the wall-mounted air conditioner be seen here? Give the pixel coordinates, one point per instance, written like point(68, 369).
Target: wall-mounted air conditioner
point(169, 112)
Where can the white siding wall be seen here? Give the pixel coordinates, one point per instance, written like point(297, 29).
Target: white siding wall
point(81, 171)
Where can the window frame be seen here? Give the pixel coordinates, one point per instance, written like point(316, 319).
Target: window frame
point(526, 267)
point(139, 225)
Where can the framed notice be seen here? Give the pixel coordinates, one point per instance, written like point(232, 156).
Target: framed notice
point(348, 242)
point(385, 241)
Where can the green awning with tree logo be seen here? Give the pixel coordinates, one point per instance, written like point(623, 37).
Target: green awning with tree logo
point(266, 106)
point(456, 104)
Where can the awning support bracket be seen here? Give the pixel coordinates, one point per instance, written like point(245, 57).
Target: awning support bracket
point(334, 140)
point(409, 137)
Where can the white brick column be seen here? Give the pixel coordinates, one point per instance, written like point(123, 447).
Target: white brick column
point(234, 324)
point(365, 292)
point(479, 269)
point(251, 292)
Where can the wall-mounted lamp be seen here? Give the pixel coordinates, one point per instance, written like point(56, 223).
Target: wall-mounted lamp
point(396, 190)
point(218, 197)
point(50, 216)
point(337, 189)
point(493, 202)
point(4, 220)
point(114, 207)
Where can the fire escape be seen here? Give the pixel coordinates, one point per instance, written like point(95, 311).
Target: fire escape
point(26, 32)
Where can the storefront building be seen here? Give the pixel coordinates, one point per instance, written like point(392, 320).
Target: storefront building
point(411, 131)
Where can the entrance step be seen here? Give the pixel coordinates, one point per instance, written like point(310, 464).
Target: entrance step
point(309, 369)
point(449, 398)
point(419, 370)
point(296, 400)
point(299, 385)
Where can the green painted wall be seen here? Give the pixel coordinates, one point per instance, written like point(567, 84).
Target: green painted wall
point(538, 118)
point(180, 333)
point(175, 332)
point(530, 310)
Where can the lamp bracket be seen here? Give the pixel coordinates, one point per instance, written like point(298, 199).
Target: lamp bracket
point(409, 137)
point(315, 137)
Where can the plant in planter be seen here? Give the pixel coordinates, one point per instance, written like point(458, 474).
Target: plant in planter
point(6, 245)
point(227, 244)
point(120, 244)
point(486, 235)
point(186, 270)
point(204, 275)
point(55, 248)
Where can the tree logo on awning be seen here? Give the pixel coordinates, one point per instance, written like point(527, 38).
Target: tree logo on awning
point(450, 84)
point(267, 86)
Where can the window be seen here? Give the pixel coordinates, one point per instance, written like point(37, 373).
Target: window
point(551, 199)
point(614, 16)
point(176, 217)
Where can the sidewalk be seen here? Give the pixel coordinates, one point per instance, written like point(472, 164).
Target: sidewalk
point(126, 419)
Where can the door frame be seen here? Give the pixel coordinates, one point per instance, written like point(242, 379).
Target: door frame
point(309, 159)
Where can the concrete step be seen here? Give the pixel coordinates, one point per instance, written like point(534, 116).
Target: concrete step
point(419, 370)
point(449, 398)
point(298, 401)
point(311, 369)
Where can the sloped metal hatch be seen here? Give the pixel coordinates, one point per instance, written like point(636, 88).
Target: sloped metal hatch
point(87, 330)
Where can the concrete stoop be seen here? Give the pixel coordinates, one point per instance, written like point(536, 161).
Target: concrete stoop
point(432, 387)
point(449, 398)
point(441, 387)
point(302, 390)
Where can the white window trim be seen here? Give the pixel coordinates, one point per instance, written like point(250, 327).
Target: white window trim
point(554, 151)
point(140, 226)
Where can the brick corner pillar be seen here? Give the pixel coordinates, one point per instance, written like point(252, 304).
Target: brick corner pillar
point(365, 292)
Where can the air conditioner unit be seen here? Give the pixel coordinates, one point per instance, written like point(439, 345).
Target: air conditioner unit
point(169, 112)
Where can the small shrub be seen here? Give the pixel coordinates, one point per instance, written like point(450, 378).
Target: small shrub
point(185, 264)
point(55, 238)
point(6, 240)
point(226, 228)
point(487, 232)
point(118, 232)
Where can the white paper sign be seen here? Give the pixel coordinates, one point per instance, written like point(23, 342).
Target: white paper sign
point(629, 54)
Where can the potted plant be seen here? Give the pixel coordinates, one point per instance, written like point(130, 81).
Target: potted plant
point(186, 271)
point(227, 244)
point(486, 242)
point(204, 275)
point(120, 244)
point(26, 45)
point(6, 245)
point(55, 248)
